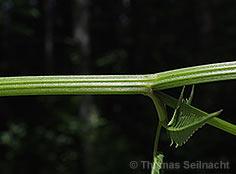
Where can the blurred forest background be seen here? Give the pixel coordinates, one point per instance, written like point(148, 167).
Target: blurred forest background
point(102, 134)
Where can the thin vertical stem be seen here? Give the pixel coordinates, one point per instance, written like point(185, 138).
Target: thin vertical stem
point(156, 141)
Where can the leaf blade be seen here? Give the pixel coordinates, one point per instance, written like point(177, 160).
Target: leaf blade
point(180, 135)
point(185, 123)
point(216, 122)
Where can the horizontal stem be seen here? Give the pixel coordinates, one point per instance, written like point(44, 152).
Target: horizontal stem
point(89, 84)
point(195, 75)
point(115, 84)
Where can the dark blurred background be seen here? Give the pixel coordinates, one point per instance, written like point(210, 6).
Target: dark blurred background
point(103, 134)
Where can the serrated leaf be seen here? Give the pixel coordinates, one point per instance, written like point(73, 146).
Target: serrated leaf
point(184, 123)
point(187, 124)
point(156, 167)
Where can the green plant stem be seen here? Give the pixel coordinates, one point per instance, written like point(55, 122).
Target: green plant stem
point(160, 108)
point(124, 84)
point(115, 84)
point(156, 141)
point(64, 85)
point(195, 75)
point(216, 122)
